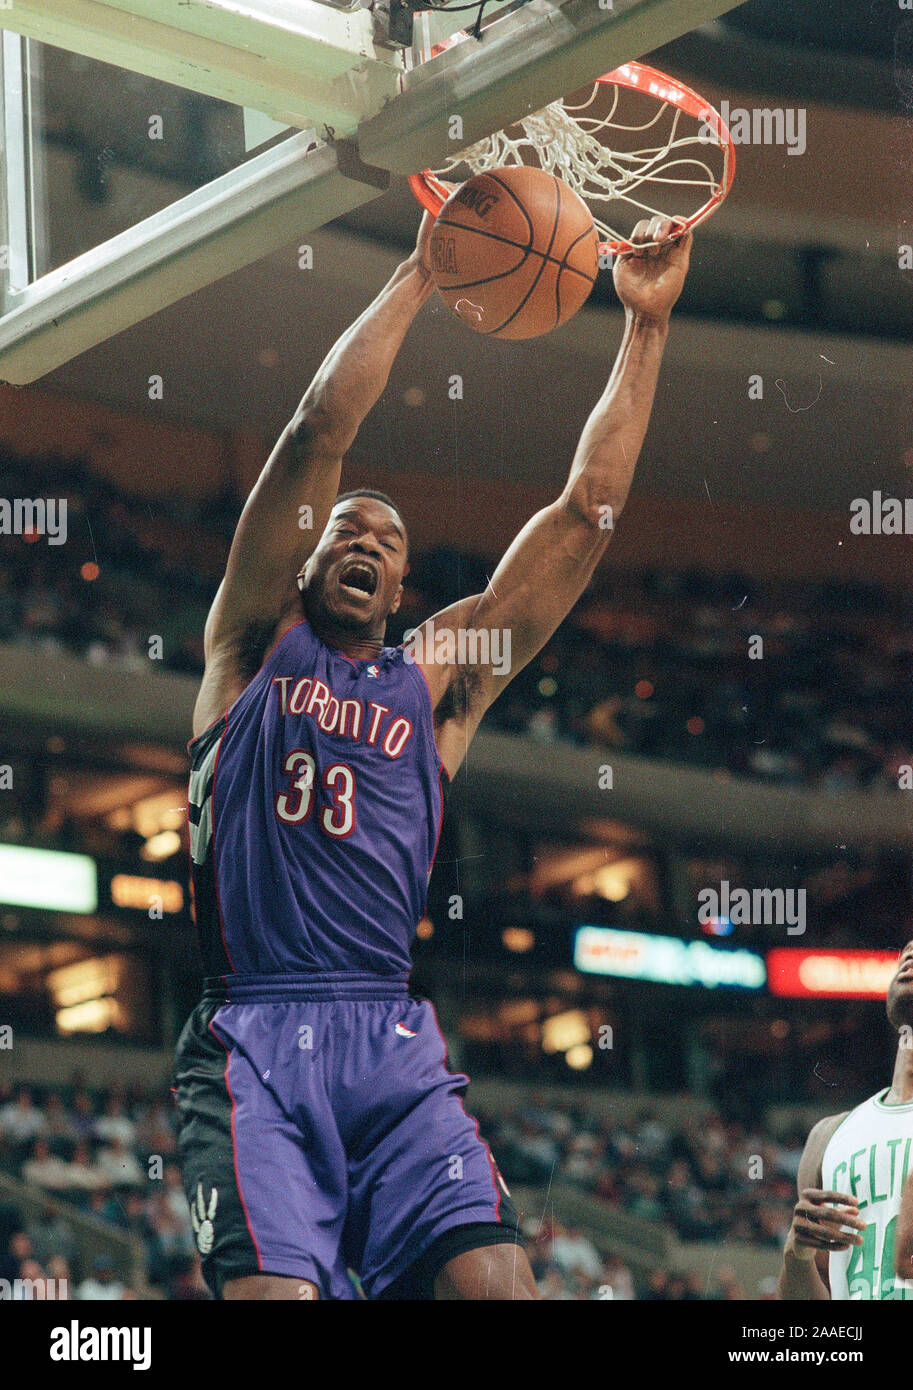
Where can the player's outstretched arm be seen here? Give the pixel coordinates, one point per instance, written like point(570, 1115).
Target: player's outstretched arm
point(819, 1224)
point(274, 536)
point(550, 563)
point(270, 544)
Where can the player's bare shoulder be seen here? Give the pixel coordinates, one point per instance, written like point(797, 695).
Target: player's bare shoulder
point(457, 686)
point(458, 701)
point(233, 658)
point(819, 1137)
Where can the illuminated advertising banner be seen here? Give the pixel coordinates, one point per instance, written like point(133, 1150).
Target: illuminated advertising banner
point(665, 960)
point(794, 973)
point(45, 878)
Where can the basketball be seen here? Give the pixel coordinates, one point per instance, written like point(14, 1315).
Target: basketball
point(514, 253)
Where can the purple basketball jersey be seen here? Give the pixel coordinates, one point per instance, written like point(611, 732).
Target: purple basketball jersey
point(315, 811)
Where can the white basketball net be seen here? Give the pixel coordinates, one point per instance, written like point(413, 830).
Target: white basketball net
point(576, 148)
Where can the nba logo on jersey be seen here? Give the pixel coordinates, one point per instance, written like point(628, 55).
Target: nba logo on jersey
point(374, 672)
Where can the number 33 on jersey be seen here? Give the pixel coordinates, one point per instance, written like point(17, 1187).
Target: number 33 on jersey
point(315, 811)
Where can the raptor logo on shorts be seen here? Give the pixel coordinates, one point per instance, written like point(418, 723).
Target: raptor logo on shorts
point(202, 1215)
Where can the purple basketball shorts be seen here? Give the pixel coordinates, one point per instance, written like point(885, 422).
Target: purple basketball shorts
point(322, 1135)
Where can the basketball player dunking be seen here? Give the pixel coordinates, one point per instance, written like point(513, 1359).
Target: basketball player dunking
point(320, 1130)
point(852, 1176)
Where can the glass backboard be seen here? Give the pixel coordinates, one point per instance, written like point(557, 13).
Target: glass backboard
point(78, 174)
point(151, 147)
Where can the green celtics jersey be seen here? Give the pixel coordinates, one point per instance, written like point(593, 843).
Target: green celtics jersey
point(869, 1155)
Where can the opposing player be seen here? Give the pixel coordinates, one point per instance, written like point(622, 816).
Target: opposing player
point(903, 1243)
point(320, 1129)
point(852, 1175)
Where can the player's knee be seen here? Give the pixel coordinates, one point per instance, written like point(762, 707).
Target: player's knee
point(496, 1273)
point(514, 1291)
point(270, 1286)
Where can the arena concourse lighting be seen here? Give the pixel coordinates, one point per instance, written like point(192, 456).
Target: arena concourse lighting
point(130, 890)
point(84, 995)
point(665, 960)
point(44, 878)
point(794, 973)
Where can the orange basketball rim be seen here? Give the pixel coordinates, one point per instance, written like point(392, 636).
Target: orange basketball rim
point(595, 142)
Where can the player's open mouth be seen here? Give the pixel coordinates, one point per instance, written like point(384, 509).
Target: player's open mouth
point(358, 577)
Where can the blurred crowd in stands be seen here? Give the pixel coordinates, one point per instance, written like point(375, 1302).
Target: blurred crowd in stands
point(798, 684)
point(111, 1157)
point(708, 1181)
